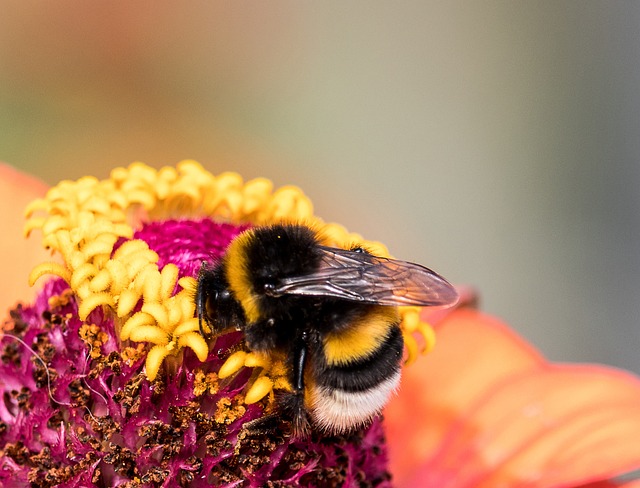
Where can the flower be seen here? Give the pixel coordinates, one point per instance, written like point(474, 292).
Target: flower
point(121, 386)
point(106, 379)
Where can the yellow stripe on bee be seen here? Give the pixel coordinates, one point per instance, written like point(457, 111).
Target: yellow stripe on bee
point(237, 271)
point(362, 338)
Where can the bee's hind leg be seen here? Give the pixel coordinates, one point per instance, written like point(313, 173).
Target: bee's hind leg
point(289, 419)
point(290, 405)
point(265, 425)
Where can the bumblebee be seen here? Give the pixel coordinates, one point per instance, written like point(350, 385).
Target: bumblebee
point(330, 313)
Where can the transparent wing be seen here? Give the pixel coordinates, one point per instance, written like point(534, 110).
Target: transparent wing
point(361, 277)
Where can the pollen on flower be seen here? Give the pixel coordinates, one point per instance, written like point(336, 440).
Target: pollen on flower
point(94, 337)
point(132, 355)
point(205, 383)
point(229, 410)
point(61, 300)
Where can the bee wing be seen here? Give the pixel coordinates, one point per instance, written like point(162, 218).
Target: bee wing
point(362, 277)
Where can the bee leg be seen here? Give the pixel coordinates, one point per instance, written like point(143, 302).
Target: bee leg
point(204, 281)
point(289, 404)
point(267, 424)
point(293, 403)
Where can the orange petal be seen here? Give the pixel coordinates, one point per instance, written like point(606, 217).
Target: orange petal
point(473, 352)
point(18, 254)
point(523, 422)
point(586, 427)
point(559, 426)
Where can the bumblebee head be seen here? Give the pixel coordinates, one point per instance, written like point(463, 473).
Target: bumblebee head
point(216, 305)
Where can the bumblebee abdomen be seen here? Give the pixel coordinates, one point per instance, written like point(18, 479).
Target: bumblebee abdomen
point(359, 374)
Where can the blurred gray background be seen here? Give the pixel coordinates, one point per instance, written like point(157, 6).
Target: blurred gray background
point(497, 142)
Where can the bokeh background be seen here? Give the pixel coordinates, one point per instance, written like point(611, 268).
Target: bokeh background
point(494, 141)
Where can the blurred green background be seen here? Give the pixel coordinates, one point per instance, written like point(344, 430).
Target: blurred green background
point(497, 142)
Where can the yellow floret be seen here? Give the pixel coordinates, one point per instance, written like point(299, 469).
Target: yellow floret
point(260, 388)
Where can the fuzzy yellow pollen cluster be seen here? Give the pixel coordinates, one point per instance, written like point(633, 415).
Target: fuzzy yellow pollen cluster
point(83, 221)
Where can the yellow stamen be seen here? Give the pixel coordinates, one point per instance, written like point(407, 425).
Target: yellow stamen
point(190, 325)
point(92, 302)
point(410, 319)
point(260, 388)
point(151, 282)
point(196, 343)
point(137, 320)
point(159, 313)
point(232, 365)
point(126, 303)
point(411, 346)
point(49, 268)
point(154, 360)
point(169, 276)
point(429, 336)
point(257, 360)
point(149, 333)
point(82, 274)
point(101, 281)
point(118, 274)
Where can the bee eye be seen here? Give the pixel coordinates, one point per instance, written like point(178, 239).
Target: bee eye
point(220, 295)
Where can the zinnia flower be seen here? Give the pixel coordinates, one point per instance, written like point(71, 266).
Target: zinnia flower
point(106, 379)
